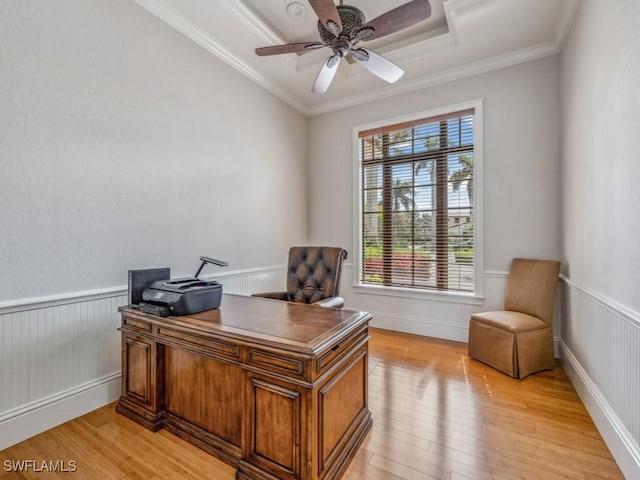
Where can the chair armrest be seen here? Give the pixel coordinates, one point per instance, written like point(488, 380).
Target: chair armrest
point(331, 302)
point(273, 295)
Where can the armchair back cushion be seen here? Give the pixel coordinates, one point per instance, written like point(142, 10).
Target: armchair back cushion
point(314, 273)
point(531, 287)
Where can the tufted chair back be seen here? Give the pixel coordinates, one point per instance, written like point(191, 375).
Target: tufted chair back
point(314, 273)
point(313, 277)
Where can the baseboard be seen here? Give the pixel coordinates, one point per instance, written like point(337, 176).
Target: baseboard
point(432, 328)
point(624, 449)
point(55, 377)
point(420, 326)
point(29, 420)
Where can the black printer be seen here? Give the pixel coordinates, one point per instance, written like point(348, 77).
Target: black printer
point(183, 296)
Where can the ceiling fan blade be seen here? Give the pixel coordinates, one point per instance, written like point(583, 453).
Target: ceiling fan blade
point(377, 64)
point(326, 74)
point(327, 14)
point(400, 18)
point(288, 48)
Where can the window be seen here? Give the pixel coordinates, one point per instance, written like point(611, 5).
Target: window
point(418, 203)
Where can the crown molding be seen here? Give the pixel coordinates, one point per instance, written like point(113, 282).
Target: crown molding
point(565, 20)
point(167, 14)
point(256, 26)
point(454, 10)
point(483, 66)
point(461, 8)
point(251, 20)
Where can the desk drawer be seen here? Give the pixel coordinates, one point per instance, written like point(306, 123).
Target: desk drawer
point(276, 362)
point(136, 325)
point(200, 344)
point(337, 352)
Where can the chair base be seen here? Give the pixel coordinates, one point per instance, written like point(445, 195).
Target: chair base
point(515, 354)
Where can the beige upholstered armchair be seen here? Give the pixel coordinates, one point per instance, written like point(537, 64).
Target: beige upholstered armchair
point(313, 277)
point(518, 341)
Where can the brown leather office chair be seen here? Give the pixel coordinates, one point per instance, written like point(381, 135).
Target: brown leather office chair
point(313, 277)
point(518, 341)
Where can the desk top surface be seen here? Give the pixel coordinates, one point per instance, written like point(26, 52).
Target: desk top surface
point(294, 325)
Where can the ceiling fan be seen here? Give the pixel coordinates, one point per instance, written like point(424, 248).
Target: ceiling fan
point(342, 27)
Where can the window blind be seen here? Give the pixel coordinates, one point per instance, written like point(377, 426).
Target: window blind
point(417, 204)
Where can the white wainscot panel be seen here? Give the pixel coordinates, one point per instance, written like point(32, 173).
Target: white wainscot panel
point(60, 357)
point(246, 282)
point(601, 347)
point(58, 360)
point(446, 319)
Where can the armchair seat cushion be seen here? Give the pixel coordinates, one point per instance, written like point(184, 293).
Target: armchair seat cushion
point(512, 322)
point(272, 295)
point(329, 302)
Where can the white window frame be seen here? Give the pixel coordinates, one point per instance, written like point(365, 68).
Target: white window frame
point(476, 297)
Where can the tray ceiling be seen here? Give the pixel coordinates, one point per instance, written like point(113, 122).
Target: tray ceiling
point(461, 38)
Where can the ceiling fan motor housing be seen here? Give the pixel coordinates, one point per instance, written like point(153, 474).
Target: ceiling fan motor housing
point(352, 20)
point(343, 27)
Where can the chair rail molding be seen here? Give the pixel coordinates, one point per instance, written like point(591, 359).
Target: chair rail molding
point(600, 345)
point(60, 355)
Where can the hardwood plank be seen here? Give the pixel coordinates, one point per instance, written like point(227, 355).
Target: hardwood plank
point(437, 415)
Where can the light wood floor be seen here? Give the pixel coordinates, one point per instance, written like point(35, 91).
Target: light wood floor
point(437, 415)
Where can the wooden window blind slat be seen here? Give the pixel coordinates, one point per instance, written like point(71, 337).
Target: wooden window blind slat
point(418, 205)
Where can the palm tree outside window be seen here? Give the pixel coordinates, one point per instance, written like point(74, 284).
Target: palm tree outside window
point(417, 204)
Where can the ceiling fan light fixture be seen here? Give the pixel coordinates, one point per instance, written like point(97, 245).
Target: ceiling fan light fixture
point(360, 55)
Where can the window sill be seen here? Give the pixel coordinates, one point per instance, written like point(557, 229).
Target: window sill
point(449, 297)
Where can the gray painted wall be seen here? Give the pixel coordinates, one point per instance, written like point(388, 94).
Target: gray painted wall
point(601, 145)
point(521, 183)
point(125, 145)
point(600, 80)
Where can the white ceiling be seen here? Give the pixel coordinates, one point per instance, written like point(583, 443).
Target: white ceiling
point(461, 38)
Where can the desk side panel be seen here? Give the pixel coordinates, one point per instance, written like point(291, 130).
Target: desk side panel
point(343, 415)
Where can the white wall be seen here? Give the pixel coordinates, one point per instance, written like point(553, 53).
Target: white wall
point(521, 174)
point(125, 145)
point(600, 78)
point(601, 119)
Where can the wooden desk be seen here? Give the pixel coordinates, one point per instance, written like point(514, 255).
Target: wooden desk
point(277, 389)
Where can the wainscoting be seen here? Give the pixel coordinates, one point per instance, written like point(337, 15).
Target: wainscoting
point(601, 348)
point(60, 356)
point(441, 318)
point(445, 318)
